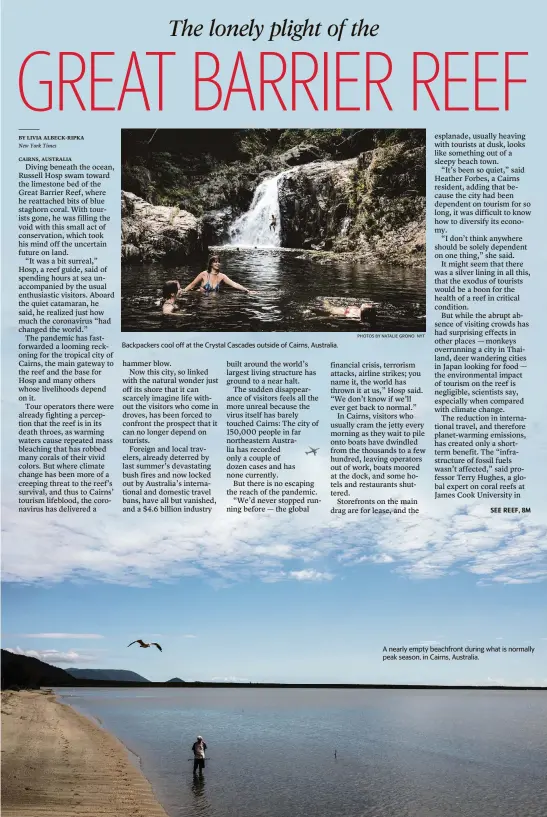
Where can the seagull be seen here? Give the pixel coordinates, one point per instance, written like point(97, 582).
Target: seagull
point(142, 643)
point(312, 451)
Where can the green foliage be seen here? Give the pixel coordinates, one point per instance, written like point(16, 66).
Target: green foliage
point(324, 139)
point(388, 190)
point(138, 179)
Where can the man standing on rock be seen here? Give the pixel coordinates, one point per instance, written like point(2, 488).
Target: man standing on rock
point(198, 749)
point(273, 222)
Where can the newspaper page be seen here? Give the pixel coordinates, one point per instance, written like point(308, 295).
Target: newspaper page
point(274, 441)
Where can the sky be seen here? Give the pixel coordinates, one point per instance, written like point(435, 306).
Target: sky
point(312, 600)
point(274, 603)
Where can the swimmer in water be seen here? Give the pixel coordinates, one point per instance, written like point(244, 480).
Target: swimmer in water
point(210, 279)
point(170, 291)
point(366, 312)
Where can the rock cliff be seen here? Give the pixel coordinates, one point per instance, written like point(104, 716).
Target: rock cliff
point(314, 203)
point(373, 204)
point(155, 232)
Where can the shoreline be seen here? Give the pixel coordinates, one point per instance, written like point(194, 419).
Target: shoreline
point(134, 758)
point(95, 682)
point(57, 762)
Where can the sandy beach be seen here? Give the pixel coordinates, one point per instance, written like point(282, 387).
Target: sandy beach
point(57, 763)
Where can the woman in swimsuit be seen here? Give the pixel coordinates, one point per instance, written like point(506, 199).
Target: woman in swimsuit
point(211, 279)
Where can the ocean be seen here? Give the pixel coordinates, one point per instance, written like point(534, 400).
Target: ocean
point(399, 753)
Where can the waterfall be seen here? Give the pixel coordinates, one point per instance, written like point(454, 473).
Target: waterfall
point(252, 229)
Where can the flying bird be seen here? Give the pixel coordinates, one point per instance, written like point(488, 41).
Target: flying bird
point(312, 451)
point(142, 643)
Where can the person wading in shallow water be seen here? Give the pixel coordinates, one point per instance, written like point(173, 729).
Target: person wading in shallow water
point(198, 749)
point(210, 279)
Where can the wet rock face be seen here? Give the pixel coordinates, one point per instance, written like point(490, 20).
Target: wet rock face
point(154, 233)
point(216, 225)
point(373, 205)
point(314, 203)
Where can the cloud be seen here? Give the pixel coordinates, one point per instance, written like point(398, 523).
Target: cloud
point(306, 575)
point(59, 635)
point(425, 644)
point(310, 576)
point(520, 682)
point(230, 679)
point(496, 550)
point(54, 656)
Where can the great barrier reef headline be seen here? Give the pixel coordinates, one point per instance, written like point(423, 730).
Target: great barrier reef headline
point(271, 80)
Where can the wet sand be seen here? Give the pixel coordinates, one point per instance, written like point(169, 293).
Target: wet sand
point(57, 763)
